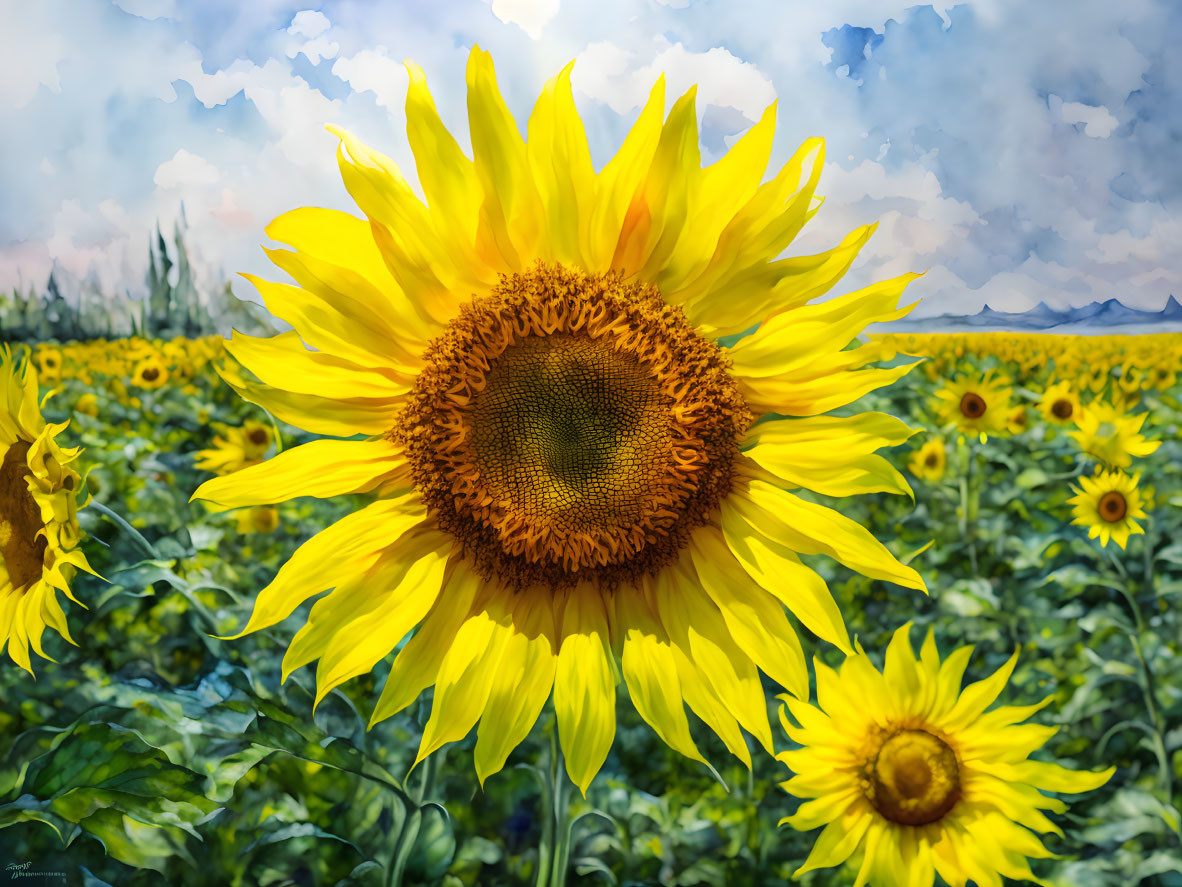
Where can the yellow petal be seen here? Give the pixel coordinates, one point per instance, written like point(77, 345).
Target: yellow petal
point(753, 617)
point(282, 361)
point(584, 687)
point(831, 455)
point(332, 556)
point(464, 682)
point(814, 529)
point(650, 673)
point(978, 696)
point(322, 468)
point(560, 161)
point(510, 222)
point(622, 178)
point(367, 620)
point(417, 663)
point(521, 683)
point(694, 624)
point(337, 417)
point(778, 570)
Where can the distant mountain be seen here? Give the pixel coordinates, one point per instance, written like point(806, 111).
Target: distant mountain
point(1096, 317)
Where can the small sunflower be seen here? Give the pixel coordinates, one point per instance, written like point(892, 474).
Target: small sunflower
point(39, 532)
point(1059, 404)
point(1110, 435)
point(150, 373)
point(563, 453)
point(929, 461)
point(235, 448)
point(976, 405)
point(913, 775)
point(49, 362)
point(1017, 419)
point(260, 519)
point(1107, 506)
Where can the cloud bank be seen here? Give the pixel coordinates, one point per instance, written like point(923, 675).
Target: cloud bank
point(1015, 158)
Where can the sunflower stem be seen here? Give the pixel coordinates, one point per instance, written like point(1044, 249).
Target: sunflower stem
point(127, 528)
point(1148, 690)
point(968, 509)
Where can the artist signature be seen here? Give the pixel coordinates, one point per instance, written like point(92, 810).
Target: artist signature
point(17, 866)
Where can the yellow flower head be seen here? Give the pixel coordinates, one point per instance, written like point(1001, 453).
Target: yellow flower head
point(1107, 506)
point(1016, 419)
point(976, 405)
point(1111, 436)
point(261, 519)
point(562, 451)
point(87, 405)
point(235, 448)
point(929, 461)
point(49, 362)
point(915, 777)
point(39, 532)
point(150, 373)
point(1059, 404)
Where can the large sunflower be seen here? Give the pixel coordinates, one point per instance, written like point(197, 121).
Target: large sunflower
point(39, 532)
point(915, 777)
point(562, 451)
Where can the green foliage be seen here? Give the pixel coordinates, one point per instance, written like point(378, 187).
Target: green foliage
point(155, 753)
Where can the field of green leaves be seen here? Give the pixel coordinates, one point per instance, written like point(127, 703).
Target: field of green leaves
point(154, 753)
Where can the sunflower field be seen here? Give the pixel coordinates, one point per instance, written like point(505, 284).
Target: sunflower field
point(153, 752)
point(426, 588)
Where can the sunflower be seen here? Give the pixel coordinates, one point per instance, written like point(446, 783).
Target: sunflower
point(49, 362)
point(1059, 404)
point(1107, 506)
point(561, 450)
point(39, 532)
point(1110, 435)
point(976, 405)
point(262, 519)
point(235, 448)
point(150, 373)
point(1016, 419)
point(929, 461)
point(915, 775)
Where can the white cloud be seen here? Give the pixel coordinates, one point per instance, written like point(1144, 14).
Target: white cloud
point(1099, 123)
point(185, 168)
point(609, 74)
point(529, 15)
point(311, 25)
point(31, 49)
point(372, 70)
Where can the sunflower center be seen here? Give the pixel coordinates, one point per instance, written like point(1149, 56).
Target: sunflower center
point(571, 427)
point(972, 405)
point(1062, 409)
point(21, 549)
point(150, 374)
point(257, 436)
point(914, 779)
point(931, 460)
point(1113, 506)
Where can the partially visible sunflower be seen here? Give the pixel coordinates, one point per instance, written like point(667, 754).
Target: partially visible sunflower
point(260, 519)
point(929, 461)
point(915, 777)
point(977, 405)
point(39, 533)
point(235, 448)
point(1017, 419)
point(49, 362)
point(1059, 404)
point(150, 373)
point(1107, 506)
point(563, 454)
point(1110, 435)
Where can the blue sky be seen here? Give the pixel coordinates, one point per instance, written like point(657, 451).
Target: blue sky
point(1017, 151)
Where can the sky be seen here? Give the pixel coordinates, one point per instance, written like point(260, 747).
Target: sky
point(1017, 152)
